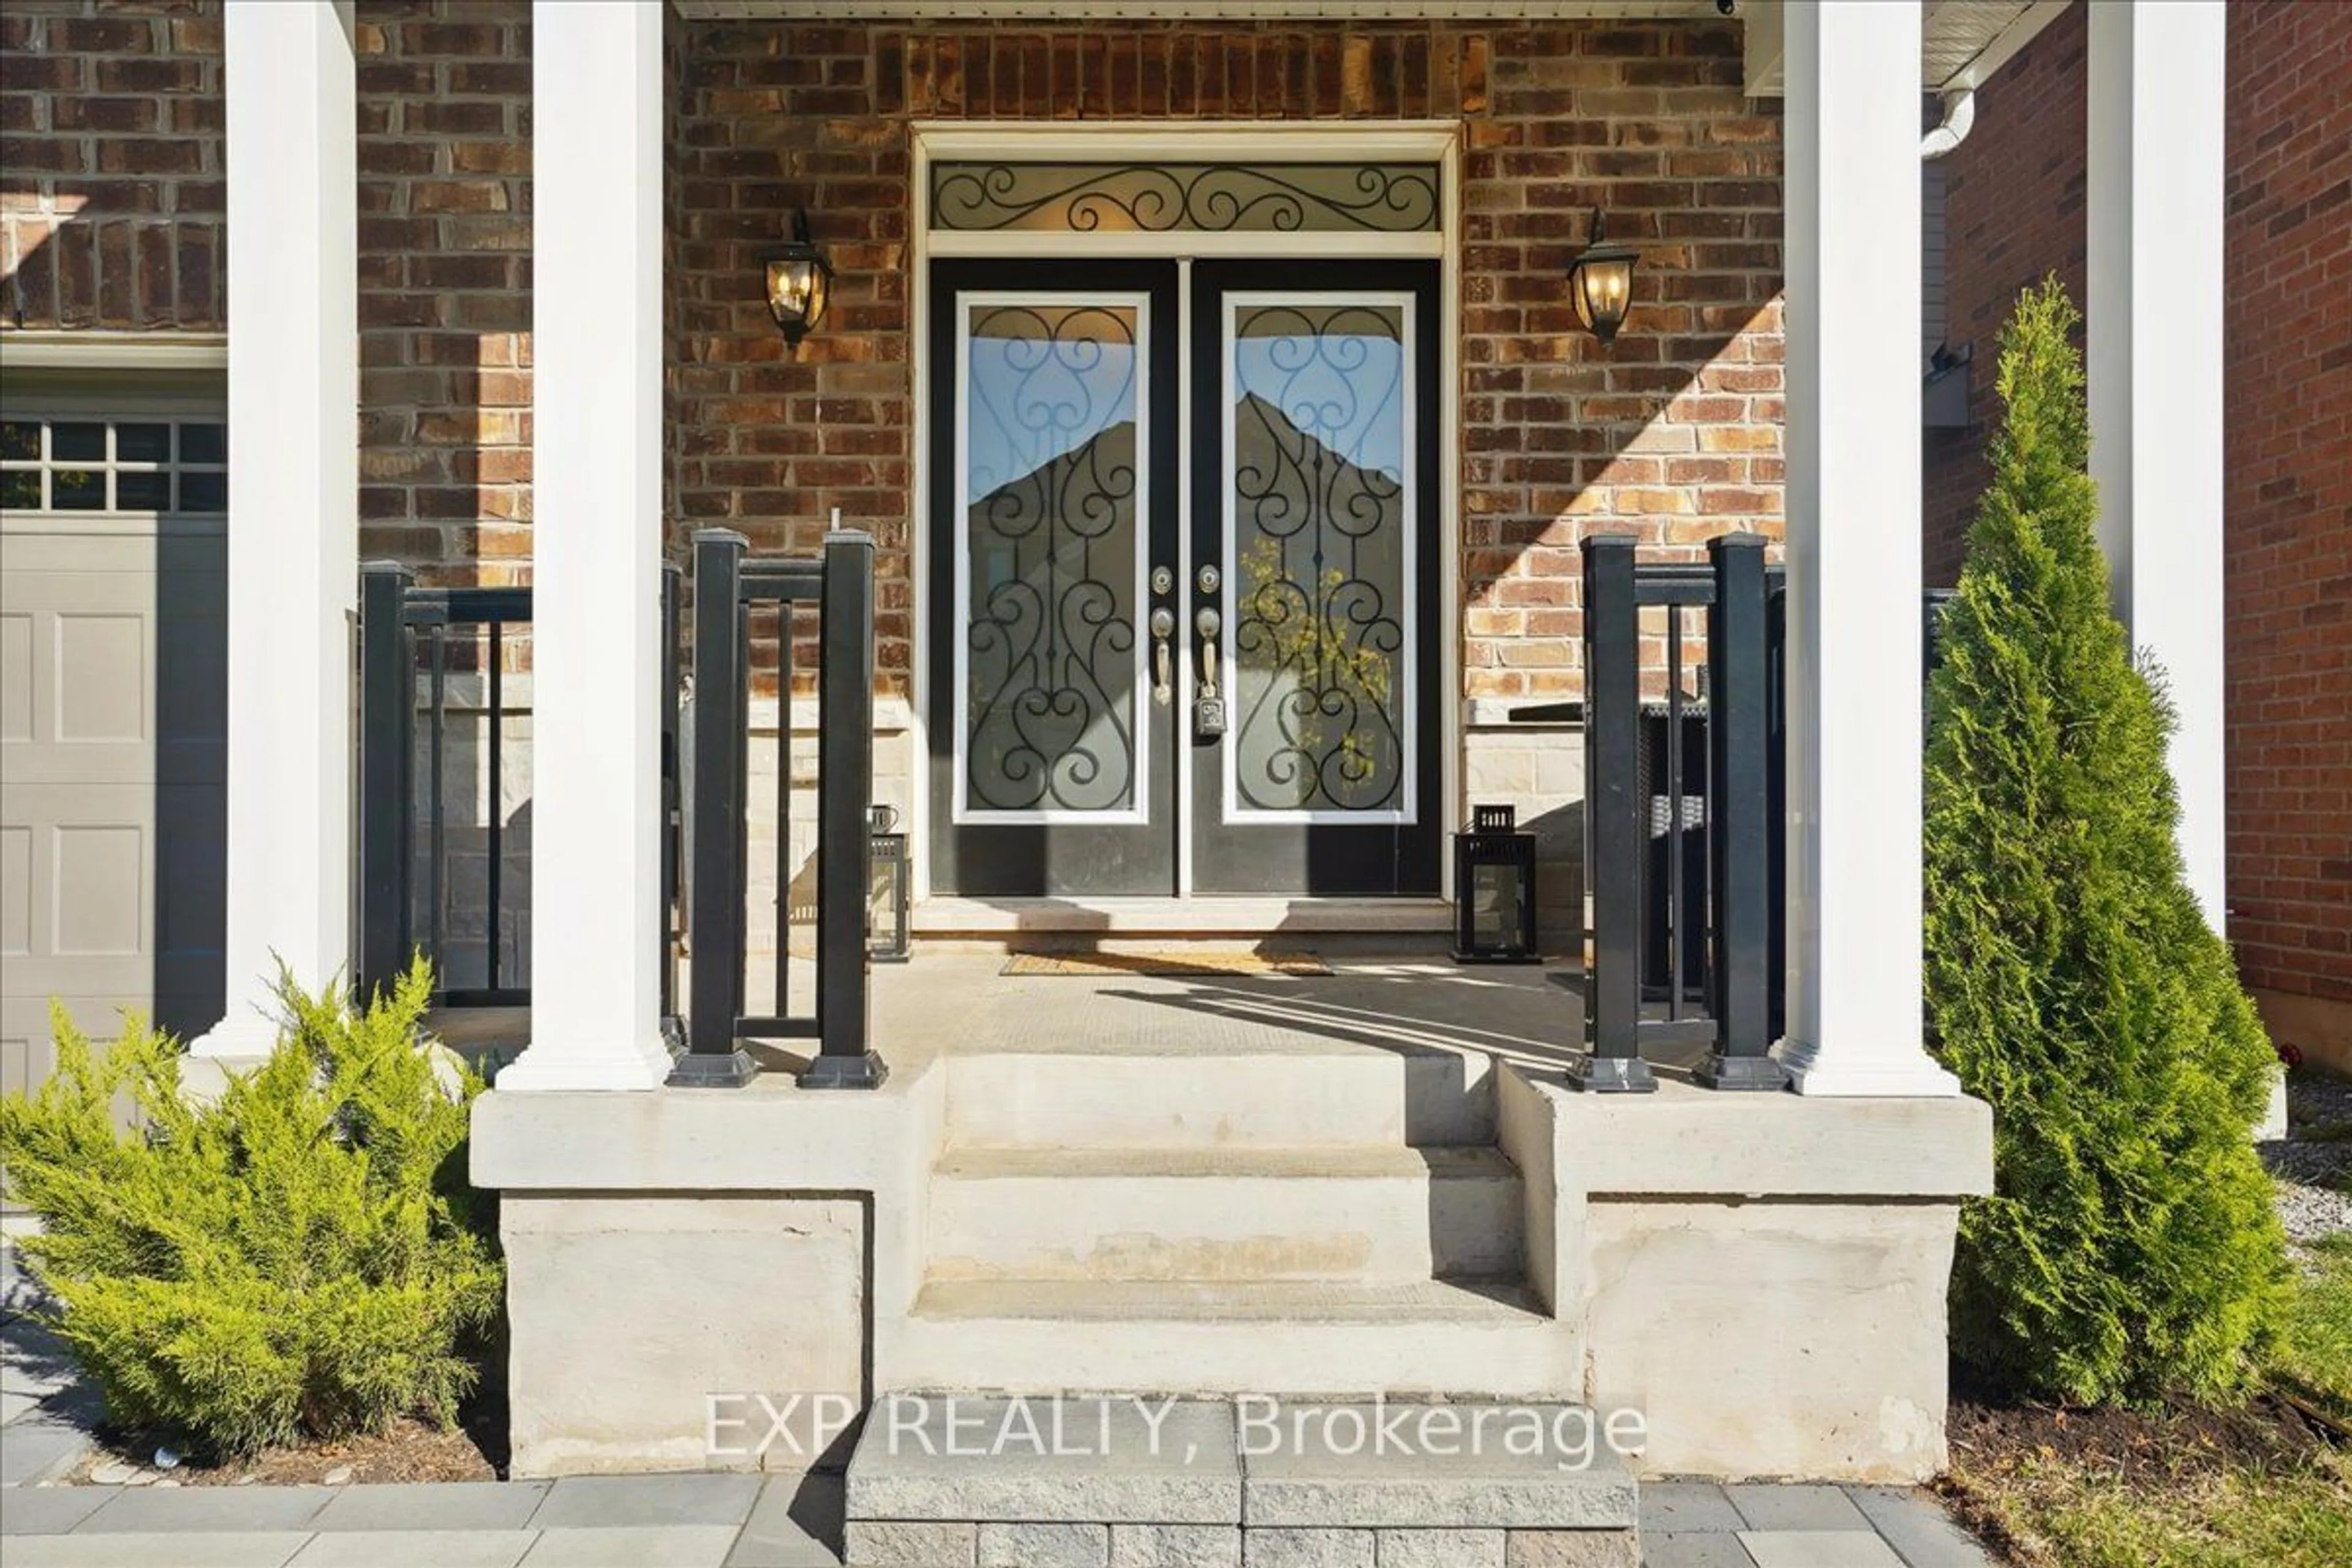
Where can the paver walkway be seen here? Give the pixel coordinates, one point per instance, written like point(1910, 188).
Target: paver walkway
point(753, 1522)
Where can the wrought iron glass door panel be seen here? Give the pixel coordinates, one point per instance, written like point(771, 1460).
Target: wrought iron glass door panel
point(1053, 496)
point(1314, 540)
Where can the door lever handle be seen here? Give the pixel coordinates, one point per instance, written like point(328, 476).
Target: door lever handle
point(1163, 626)
point(1208, 622)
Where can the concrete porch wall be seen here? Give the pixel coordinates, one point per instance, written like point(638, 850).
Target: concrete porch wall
point(1762, 1274)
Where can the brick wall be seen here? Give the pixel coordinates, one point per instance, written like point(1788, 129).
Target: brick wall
point(110, 184)
point(445, 285)
point(2013, 212)
point(2288, 570)
point(2017, 212)
point(1674, 432)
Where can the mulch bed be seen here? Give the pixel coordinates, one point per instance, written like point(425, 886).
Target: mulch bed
point(2172, 1444)
point(2175, 1439)
point(411, 1450)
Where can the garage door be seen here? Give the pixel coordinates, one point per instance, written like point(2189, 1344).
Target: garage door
point(113, 710)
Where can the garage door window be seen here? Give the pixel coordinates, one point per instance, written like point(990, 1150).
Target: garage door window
point(138, 466)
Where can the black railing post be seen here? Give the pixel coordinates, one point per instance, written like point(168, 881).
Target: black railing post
point(712, 1057)
point(844, 1058)
point(387, 716)
point(1739, 823)
point(1613, 831)
point(673, 804)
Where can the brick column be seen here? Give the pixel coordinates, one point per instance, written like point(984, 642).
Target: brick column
point(293, 532)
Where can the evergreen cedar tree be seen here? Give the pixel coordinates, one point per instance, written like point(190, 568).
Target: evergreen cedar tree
point(2129, 1247)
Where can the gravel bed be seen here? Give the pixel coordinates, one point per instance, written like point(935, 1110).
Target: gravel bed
point(2312, 1172)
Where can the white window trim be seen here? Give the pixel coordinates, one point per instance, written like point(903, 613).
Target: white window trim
point(1407, 813)
point(1141, 709)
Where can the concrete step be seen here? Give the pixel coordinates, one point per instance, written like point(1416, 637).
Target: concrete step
point(1309, 1338)
point(1176, 1091)
point(1367, 1213)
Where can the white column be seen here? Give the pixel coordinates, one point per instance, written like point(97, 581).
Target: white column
point(293, 532)
point(596, 347)
point(1853, 552)
point(2156, 135)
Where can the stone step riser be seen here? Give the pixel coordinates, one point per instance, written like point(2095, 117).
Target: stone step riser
point(1426, 1100)
point(1226, 1228)
point(1536, 1360)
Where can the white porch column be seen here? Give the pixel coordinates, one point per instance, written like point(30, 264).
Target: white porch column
point(2155, 230)
point(293, 534)
point(1853, 552)
point(596, 347)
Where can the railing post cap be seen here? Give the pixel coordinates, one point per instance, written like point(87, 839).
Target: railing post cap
point(849, 536)
point(703, 536)
point(1611, 540)
point(1737, 539)
point(385, 569)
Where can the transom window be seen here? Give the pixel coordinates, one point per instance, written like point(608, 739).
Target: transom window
point(1187, 198)
point(78, 463)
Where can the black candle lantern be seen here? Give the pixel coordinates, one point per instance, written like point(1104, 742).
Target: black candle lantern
point(1495, 889)
point(886, 888)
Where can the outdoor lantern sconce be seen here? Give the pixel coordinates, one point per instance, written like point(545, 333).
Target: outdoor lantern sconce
point(1495, 889)
point(886, 888)
point(1600, 281)
point(800, 281)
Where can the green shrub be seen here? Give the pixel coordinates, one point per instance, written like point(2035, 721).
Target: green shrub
point(298, 1256)
point(2129, 1244)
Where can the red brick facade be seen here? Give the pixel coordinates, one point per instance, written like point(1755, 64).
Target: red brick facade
point(2013, 213)
point(2016, 212)
point(445, 285)
point(2289, 567)
point(115, 110)
point(111, 209)
point(1674, 432)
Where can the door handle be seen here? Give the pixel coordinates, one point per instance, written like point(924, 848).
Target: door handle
point(1208, 707)
point(1163, 626)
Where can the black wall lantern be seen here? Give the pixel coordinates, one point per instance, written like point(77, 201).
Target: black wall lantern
point(886, 888)
point(800, 281)
point(1601, 283)
point(1495, 889)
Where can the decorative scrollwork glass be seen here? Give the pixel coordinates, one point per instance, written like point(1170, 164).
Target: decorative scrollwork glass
point(1321, 523)
point(1050, 457)
point(1206, 198)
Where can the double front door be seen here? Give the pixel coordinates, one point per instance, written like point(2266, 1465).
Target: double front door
point(1183, 587)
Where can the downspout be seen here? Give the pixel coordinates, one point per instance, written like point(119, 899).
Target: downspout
point(1959, 114)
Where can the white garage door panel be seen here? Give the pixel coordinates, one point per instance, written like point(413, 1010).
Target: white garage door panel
point(88, 909)
point(113, 707)
point(87, 675)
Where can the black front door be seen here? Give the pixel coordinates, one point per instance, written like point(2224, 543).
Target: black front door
point(1278, 645)
point(1315, 503)
point(1053, 504)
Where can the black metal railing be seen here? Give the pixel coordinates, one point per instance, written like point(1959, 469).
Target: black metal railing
point(727, 588)
point(410, 638)
point(1680, 825)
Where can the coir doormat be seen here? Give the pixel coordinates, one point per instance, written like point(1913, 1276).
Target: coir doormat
point(1167, 962)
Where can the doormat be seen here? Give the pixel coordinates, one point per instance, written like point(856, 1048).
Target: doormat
point(1166, 962)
